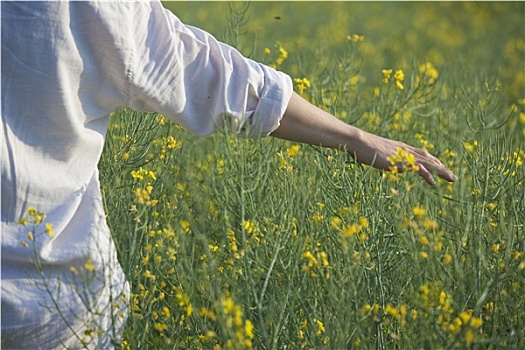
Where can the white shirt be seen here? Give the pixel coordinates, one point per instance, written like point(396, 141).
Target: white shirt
point(65, 67)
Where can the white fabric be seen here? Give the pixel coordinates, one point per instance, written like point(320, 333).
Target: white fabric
point(65, 67)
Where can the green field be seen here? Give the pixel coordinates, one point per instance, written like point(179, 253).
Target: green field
point(233, 243)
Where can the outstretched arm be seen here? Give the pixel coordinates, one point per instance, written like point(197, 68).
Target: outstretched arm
point(306, 123)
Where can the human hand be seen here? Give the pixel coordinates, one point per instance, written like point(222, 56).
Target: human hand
point(383, 153)
point(304, 122)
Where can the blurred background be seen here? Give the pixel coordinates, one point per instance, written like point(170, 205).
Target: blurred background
point(480, 37)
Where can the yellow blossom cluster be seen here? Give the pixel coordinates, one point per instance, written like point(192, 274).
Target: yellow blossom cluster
point(421, 226)
point(242, 329)
point(35, 218)
point(352, 229)
point(315, 263)
point(356, 38)
point(319, 329)
point(428, 70)
point(171, 143)
point(402, 161)
point(293, 151)
point(284, 158)
point(399, 77)
point(437, 302)
point(143, 195)
point(142, 174)
point(302, 84)
point(280, 56)
point(321, 226)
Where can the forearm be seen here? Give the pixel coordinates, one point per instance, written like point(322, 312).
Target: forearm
point(306, 123)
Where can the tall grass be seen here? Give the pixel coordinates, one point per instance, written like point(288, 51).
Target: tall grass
point(235, 243)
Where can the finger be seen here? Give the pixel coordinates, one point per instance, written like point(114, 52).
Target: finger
point(446, 174)
point(426, 175)
point(442, 171)
point(434, 165)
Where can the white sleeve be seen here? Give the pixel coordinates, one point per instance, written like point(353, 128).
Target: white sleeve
point(190, 77)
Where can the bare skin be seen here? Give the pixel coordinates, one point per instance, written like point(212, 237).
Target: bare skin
point(306, 123)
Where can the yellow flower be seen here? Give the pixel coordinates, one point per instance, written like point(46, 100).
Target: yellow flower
point(418, 211)
point(365, 310)
point(267, 51)
point(324, 259)
point(185, 224)
point(283, 53)
point(470, 146)
point(229, 306)
point(392, 311)
point(424, 289)
point(38, 219)
point(430, 72)
point(251, 226)
point(476, 192)
point(207, 313)
point(476, 322)
point(399, 77)
point(357, 342)
point(312, 260)
point(335, 222)
point(161, 119)
point(89, 265)
point(141, 174)
point(23, 222)
point(248, 328)
point(318, 217)
point(355, 38)
point(430, 224)
point(320, 326)
point(149, 275)
point(166, 312)
point(49, 230)
point(465, 316)
point(407, 161)
point(137, 174)
point(160, 326)
point(350, 230)
point(293, 151)
point(363, 222)
point(386, 75)
point(171, 144)
point(302, 84)
point(469, 336)
point(145, 260)
point(449, 153)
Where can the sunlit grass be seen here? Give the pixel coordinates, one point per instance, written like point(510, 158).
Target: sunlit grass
point(234, 243)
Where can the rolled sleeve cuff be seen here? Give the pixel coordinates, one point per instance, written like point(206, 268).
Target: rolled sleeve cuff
point(273, 101)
